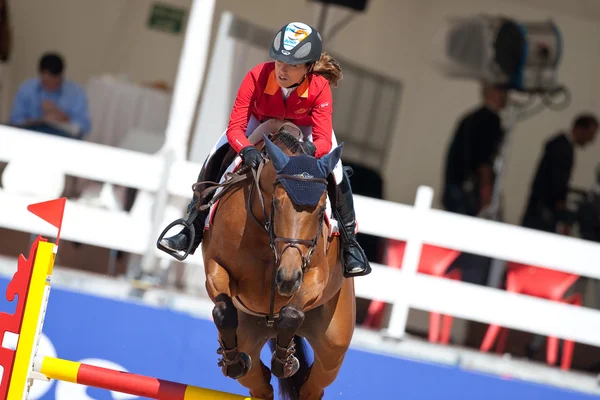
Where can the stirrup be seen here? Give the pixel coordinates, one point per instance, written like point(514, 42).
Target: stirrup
point(188, 223)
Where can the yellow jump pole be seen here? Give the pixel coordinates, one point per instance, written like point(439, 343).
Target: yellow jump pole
point(124, 382)
point(32, 284)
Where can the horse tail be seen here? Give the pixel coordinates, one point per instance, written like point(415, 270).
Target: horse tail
point(289, 389)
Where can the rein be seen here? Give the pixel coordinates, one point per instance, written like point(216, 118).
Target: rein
point(269, 227)
point(233, 180)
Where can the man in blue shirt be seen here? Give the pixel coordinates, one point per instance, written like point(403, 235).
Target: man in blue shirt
point(50, 103)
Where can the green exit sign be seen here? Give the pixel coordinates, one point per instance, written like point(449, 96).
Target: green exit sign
point(167, 18)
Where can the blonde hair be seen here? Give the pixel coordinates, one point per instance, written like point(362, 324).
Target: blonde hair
point(329, 68)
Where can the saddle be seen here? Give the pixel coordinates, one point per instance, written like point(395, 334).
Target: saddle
point(218, 164)
point(227, 164)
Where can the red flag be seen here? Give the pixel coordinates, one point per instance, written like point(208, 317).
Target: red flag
point(50, 211)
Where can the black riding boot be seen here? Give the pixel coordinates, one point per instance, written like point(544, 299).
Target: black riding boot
point(180, 241)
point(354, 260)
point(212, 170)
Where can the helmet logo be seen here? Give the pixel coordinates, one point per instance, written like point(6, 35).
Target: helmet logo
point(294, 34)
point(285, 52)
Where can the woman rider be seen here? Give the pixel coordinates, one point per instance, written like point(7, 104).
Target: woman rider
point(296, 87)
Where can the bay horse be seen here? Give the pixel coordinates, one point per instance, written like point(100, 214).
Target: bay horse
point(274, 273)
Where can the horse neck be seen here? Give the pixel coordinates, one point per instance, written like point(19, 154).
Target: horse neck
point(266, 182)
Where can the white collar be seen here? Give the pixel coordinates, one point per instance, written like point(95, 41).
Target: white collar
point(287, 91)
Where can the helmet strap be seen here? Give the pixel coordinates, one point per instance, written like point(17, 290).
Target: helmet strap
point(295, 85)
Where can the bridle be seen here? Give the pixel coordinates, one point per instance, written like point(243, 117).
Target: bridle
point(232, 180)
point(269, 227)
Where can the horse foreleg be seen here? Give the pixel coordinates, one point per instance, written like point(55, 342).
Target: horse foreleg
point(234, 363)
point(330, 342)
point(329, 355)
point(284, 363)
point(252, 336)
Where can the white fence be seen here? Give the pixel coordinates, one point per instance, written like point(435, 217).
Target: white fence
point(403, 288)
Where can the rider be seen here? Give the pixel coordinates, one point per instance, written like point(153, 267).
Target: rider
point(294, 87)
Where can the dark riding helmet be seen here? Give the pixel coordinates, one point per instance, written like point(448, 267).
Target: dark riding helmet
point(297, 43)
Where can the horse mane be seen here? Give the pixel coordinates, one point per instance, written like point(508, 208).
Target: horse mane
point(282, 138)
point(288, 141)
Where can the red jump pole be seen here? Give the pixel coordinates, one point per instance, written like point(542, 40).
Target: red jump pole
point(125, 382)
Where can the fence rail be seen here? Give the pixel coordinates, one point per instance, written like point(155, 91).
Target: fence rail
point(415, 224)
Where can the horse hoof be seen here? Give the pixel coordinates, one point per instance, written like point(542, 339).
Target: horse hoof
point(286, 369)
point(238, 369)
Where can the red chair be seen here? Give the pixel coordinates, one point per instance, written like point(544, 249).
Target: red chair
point(434, 261)
point(538, 282)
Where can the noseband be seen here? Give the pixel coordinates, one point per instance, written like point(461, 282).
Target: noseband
point(269, 227)
point(292, 242)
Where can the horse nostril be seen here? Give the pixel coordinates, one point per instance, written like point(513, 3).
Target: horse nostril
point(297, 275)
point(288, 281)
point(280, 277)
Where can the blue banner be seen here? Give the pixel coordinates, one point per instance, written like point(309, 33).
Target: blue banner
point(175, 346)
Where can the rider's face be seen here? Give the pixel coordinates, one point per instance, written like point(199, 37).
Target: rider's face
point(288, 74)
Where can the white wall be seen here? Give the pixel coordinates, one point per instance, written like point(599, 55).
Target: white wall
point(96, 37)
point(439, 102)
point(391, 38)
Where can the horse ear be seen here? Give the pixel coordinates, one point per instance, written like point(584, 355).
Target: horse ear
point(328, 162)
point(277, 157)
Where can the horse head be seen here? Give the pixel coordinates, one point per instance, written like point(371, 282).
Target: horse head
point(297, 211)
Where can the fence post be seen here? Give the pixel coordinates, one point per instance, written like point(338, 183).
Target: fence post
point(149, 265)
point(190, 74)
point(410, 263)
point(192, 64)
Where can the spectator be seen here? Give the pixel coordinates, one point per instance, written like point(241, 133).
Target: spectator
point(469, 176)
point(50, 103)
point(547, 208)
point(469, 173)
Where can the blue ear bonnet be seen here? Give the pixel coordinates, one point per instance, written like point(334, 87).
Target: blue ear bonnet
point(303, 193)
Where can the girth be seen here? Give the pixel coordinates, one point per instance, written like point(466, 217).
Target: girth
point(237, 302)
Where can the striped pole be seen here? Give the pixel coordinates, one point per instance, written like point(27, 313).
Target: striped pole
point(124, 382)
point(31, 328)
point(21, 367)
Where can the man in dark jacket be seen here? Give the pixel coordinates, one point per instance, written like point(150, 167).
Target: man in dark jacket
point(547, 208)
point(469, 174)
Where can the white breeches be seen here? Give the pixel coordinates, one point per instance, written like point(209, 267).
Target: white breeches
point(255, 130)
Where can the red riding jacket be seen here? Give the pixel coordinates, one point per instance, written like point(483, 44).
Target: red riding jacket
point(260, 95)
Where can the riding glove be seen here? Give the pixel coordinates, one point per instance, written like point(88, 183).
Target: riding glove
point(251, 156)
point(309, 148)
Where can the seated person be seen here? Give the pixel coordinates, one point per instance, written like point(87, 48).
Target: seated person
point(50, 103)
